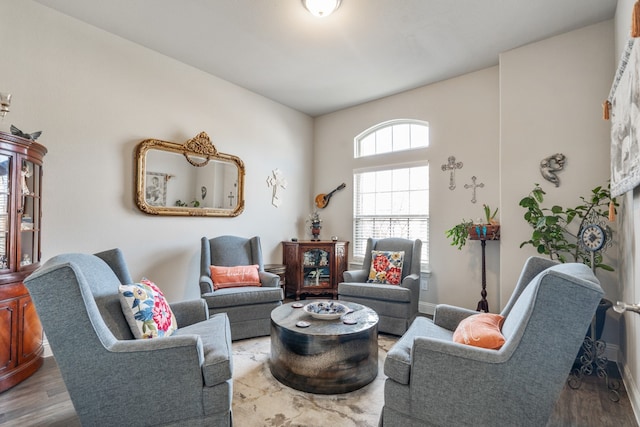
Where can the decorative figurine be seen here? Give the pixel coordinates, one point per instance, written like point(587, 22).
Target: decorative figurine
point(550, 165)
point(32, 136)
point(25, 173)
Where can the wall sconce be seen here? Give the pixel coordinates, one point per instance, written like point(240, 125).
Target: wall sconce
point(621, 307)
point(321, 8)
point(5, 101)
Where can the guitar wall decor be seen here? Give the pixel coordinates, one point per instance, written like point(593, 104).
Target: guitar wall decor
point(322, 200)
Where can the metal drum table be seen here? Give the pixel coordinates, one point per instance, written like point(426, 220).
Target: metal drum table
point(327, 356)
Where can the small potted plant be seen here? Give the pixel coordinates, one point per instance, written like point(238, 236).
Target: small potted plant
point(478, 230)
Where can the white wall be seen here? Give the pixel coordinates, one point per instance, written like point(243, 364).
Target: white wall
point(551, 95)
point(629, 226)
point(463, 118)
point(95, 96)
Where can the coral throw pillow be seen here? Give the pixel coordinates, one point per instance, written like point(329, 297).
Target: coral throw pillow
point(386, 267)
point(146, 310)
point(480, 330)
point(234, 277)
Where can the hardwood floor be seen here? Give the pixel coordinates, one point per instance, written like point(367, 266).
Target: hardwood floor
point(42, 400)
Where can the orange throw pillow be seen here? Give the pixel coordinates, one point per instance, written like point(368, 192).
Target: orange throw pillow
point(480, 330)
point(234, 277)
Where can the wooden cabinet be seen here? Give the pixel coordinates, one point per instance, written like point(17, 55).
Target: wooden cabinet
point(314, 267)
point(20, 214)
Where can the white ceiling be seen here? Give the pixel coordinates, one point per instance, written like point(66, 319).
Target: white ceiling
point(366, 50)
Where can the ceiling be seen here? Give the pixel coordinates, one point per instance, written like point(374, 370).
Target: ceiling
point(366, 50)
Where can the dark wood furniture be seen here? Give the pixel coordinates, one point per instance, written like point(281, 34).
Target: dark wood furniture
point(280, 270)
point(20, 212)
point(314, 267)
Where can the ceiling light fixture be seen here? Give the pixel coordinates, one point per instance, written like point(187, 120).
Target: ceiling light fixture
point(321, 8)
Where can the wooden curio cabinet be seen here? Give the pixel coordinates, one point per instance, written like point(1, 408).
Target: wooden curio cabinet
point(314, 267)
point(20, 229)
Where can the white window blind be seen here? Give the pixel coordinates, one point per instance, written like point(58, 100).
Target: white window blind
point(392, 202)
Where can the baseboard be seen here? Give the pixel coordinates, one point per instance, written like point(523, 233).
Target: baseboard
point(611, 353)
point(47, 348)
point(632, 390)
point(426, 308)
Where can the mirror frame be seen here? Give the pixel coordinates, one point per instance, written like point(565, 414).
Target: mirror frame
point(198, 146)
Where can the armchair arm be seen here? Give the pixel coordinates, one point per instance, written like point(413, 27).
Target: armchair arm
point(191, 345)
point(269, 280)
point(355, 276)
point(190, 312)
point(449, 316)
point(206, 285)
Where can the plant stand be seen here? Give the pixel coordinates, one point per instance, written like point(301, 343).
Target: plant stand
point(591, 355)
point(483, 233)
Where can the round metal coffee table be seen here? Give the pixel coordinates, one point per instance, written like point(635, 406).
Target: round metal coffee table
point(327, 356)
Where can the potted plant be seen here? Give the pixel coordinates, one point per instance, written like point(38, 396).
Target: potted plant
point(467, 229)
point(554, 232)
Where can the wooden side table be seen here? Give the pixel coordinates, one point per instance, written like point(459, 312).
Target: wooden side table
point(280, 270)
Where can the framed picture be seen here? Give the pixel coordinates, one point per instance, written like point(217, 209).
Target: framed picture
point(155, 193)
point(625, 122)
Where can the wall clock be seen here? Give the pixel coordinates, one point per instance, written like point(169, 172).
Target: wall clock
point(594, 236)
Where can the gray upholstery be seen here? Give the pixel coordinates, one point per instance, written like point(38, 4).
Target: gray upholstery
point(113, 379)
point(396, 305)
point(248, 308)
point(433, 381)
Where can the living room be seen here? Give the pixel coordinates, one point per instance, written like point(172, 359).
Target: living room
point(95, 96)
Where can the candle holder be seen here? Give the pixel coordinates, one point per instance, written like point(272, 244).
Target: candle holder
point(5, 102)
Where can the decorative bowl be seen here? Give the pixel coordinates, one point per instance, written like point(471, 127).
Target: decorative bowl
point(326, 310)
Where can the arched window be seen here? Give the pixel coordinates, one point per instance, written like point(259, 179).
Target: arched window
point(391, 199)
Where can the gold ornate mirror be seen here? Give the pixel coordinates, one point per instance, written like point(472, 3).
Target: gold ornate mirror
point(190, 179)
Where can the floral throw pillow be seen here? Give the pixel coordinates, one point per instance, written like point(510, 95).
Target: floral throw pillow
point(386, 267)
point(146, 310)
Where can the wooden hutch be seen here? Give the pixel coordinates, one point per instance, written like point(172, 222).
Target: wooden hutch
point(314, 267)
point(20, 253)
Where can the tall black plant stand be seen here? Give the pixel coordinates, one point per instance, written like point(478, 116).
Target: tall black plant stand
point(483, 233)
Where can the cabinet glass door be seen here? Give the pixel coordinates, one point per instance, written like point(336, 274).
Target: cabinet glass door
point(30, 214)
point(5, 185)
point(316, 268)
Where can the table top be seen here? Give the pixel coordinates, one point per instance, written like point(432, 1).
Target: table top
point(287, 316)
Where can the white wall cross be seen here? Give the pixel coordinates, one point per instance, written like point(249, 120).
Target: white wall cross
point(276, 181)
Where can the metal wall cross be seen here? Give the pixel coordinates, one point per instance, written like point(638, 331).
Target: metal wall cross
point(473, 186)
point(452, 165)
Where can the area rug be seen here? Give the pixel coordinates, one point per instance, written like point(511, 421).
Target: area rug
point(260, 400)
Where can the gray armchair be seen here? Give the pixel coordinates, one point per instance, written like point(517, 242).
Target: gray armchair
point(111, 377)
point(433, 381)
point(248, 308)
point(396, 305)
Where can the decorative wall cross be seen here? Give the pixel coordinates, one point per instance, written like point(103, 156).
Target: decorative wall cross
point(473, 186)
point(231, 197)
point(452, 165)
point(276, 181)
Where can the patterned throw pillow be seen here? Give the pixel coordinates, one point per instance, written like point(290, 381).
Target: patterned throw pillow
point(146, 310)
point(386, 267)
point(480, 330)
point(234, 277)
